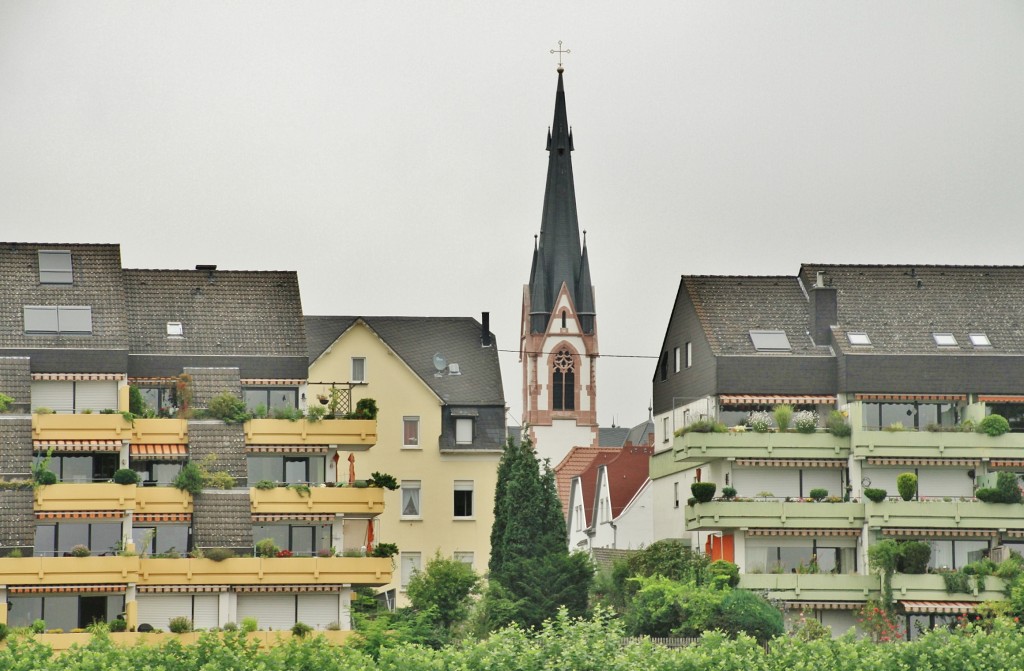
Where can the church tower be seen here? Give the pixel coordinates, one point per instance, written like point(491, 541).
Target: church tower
point(558, 339)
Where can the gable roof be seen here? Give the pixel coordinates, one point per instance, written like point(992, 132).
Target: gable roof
point(574, 463)
point(416, 340)
point(626, 474)
point(230, 313)
point(900, 306)
point(588, 484)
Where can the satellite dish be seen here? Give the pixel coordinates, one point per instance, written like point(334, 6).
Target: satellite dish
point(440, 363)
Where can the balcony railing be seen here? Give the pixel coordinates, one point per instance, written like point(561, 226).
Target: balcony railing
point(265, 639)
point(267, 571)
point(347, 433)
point(108, 496)
point(944, 515)
point(352, 501)
point(859, 588)
point(68, 570)
point(697, 448)
point(81, 427)
point(937, 444)
point(774, 515)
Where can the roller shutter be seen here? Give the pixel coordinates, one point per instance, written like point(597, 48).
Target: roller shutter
point(95, 396)
point(57, 396)
point(158, 609)
point(272, 611)
point(318, 610)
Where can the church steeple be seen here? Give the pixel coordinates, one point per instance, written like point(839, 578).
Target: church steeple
point(558, 259)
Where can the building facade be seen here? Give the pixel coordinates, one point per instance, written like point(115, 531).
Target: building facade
point(913, 358)
point(76, 335)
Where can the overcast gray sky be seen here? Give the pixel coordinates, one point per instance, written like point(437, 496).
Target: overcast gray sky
point(393, 153)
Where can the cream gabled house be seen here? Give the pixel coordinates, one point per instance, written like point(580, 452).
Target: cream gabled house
point(441, 427)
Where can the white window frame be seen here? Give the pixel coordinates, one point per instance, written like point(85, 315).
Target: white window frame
point(677, 359)
point(464, 486)
point(665, 430)
point(463, 424)
point(411, 563)
point(55, 272)
point(361, 376)
point(415, 421)
point(945, 340)
point(689, 354)
point(979, 339)
point(858, 339)
point(466, 557)
point(412, 490)
point(175, 330)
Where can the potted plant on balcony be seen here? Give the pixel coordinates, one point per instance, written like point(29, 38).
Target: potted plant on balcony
point(126, 476)
point(993, 425)
point(906, 483)
point(385, 550)
point(703, 491)
point(783, 415)
point(80, 551)
point(266, 548)
point(382, 480)
point(805, 421)
point(760, 421)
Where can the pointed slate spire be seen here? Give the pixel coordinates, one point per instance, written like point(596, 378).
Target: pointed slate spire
point(558, 252)
point(539, 314)
point(585, 292)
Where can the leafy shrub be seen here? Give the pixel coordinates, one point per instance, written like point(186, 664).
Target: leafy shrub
point(218, 554)
point(250, 624)
point(987, 494)
point(760, 421)
point(180, 624)
point(383, 480)
point(385, 550)
point(837, 425)
point(5, 402)
point(45, 477)
point(229, 408)
point(137, 403)
point(230, 626)
point(302, 489)
point(720, 573)
point(42, 410)
point(728, 492)
point(914, 556)
point(906, 484)
point(38, 626)
point(266, 548)
point(80, 551)
point(289, 413)
point(692, 501)
point(703, 491)
point(260, 411)
point(895, 427)
point(190, 478)
point(805, 421)
point(819, 493)
point(366, 408)
point(783, 416)
point(875, 494)
point(265, 484)
point(126, 476)
point(745, 612)
point(4, 631)
point(993, 425)
point(1008, 487)
point(118, 625)
point(315, 413)
point(300, 629)
point(702, 426)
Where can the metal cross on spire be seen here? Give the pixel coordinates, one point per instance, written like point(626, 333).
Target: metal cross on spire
point(560, 51)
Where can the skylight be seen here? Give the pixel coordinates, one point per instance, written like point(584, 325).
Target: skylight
point(770, 341)
point(859, 338)
point(945, 339)
point(979, 339)
point(175, 329)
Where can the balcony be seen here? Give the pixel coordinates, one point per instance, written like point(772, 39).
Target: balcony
point(272, 571)
point(264, 639)
point(944, 515)
point(931, 587)
point(349, 434)
point(815, 586)
point(108, 496)
point(726, 515)
point(68, 570)
point(937, 444)
point(352, 501)
point(160, 431)
point(80, 427)
point(695, 448)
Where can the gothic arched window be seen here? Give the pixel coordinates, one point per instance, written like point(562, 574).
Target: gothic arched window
point(563, 395)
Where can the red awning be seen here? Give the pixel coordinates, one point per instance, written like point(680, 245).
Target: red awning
point(792, 463)
point(63, 589)
point(825, 605)
point(776, 399)
point(77, 377)
point(161, 451)
point(80, 515)
point(919, 461)
point(1000, 398)
point(911, 397)
point(939, 533)
point(938, 606)
point(804, 532)
point(77, 445)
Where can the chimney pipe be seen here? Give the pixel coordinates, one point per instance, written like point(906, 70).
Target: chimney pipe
point(485, 329)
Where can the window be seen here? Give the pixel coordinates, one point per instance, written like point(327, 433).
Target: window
point(979, 340)
point(411, 564)
point(464, 431)
point(858, 338)
point(358, 369)
point(175, 330)
point(770, 341)
point(69, 319)
point(464, 557)
point(663, 366)
point(665, 430)
point(411, 498)
point(161, 538)
point(55, 267)
point(579, 518)
point(563, 318)
point(677, 357)
point(158, 399)
point(58, 539)
point(411, 431)
point(303, 540)
point(675, 494)
point(270, 398)
point(80, 468)
point(945, 339)
point(463, 498)
point(294, 469)
point(689, 354)
point(563, 394)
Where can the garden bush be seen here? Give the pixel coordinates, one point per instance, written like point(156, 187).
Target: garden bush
point(744, 612)
point(721, 573)
point(993, 425)
point(703, 426)
point(819, 493)
point(875, 494)
point(703, 491)
point(126, 476)
point(229, 408)
point(906, 483)
point(760, 421)
point(180, 624)
point(1008, 487)
point(914, 557)
point(728, 492)
point(837, 425)
point(267, 548)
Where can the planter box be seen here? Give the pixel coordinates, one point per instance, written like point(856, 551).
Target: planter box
point(162, 500)
point(86, 496)
point(68, 570)
point(939, 444)
point(260, 571)
point(347, 433)
point(352, 501)
point(697, 448)
point(773, 515)
point(80, 427)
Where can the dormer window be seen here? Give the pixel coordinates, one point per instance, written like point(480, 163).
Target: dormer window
point(979, 339)
point(945, 339)
point(858, 338)
point(175, 330)
point(770, 341)
point(55, 266)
